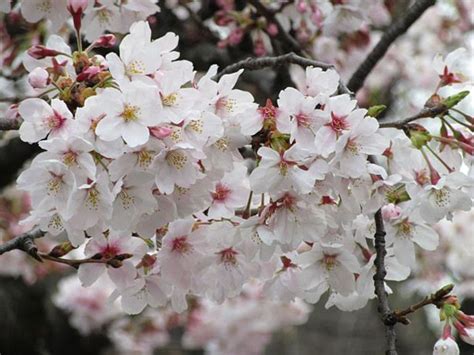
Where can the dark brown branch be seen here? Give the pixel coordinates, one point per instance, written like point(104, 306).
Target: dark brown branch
point(9, 124)
point(24, 242)
point(424, 113)
point(435, 299)
point(284, 36)
point(379, 281)
point(271, 62)
point(395, 30)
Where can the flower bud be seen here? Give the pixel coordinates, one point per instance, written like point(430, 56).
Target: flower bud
point(12, 112)
point(76, 6)
point(105, 41)
point(40, 52)
point(391, 211)
point(38, 78)
point(272, 29)
point(160, 132)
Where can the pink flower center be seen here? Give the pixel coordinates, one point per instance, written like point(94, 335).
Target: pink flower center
point(448, 77)
point(338, 123)
point(181, 245)
point(55, 121)
point(422, 177)
point(228, 256)
point(109, 251)
point(221, 193)
point(329, 261)
point(303, 120)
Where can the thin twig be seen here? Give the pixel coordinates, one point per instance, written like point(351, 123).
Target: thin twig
point(395, 30)
point(285, 59)
point(379, 281)
point(435, 299)
point(424, 113)
point(283, 35)
point(8, 124)
point(24, 242)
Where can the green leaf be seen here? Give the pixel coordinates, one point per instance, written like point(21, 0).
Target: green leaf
point(375, 111)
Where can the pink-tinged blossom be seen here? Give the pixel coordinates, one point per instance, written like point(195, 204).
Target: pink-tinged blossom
point(38, 78)
point(139, 56)
point(178, 166)
point(230, 193)
point(133, 198)
point(444, 197)
point(182, 251)
point(228, 268)
point(73, 151)
point(41, 119)
point(297, 116)
point(53, 10)
point(107, 248)
point(328, 267)
point(336, 118)
point(448, 68)
point(354, 146)
point(282, 171)
point(50, 184)
point(406, 230)
point(128, 114)
point(90, 203)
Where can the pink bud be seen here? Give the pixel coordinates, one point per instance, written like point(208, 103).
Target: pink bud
point(38, 78)
point(88, 73)
point(77, 6)
point(301, 6)
point(105, 41)
point(160, 132)
point(235, 36)
point(259, 48)
point(40, 52)
point(272, 29)
point(391, 211)
point(12, 112)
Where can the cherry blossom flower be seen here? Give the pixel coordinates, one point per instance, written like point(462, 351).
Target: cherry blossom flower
point(41, 119)
point(230, 193)
point(128, 114)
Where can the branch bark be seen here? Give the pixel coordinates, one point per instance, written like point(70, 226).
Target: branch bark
point(395, 30)
point(24, 242)
point(379, 281)
point(424, 113)
point(271, 62)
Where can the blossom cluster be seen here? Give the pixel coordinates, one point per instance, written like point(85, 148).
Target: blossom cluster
point(99, 16)
point(143, 173)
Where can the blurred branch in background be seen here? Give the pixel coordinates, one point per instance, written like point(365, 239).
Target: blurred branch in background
point(395, 30)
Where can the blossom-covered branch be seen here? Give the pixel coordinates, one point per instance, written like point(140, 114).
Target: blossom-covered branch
point(24, 242)
point(271, 62)
point(395, 30)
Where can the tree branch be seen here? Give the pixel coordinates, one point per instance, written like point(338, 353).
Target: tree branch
point(435, 299)
point(395, 30)
point(424, 113)
point(379, 281)
point(9, 124)
point(24, 242)
point(285, 59)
